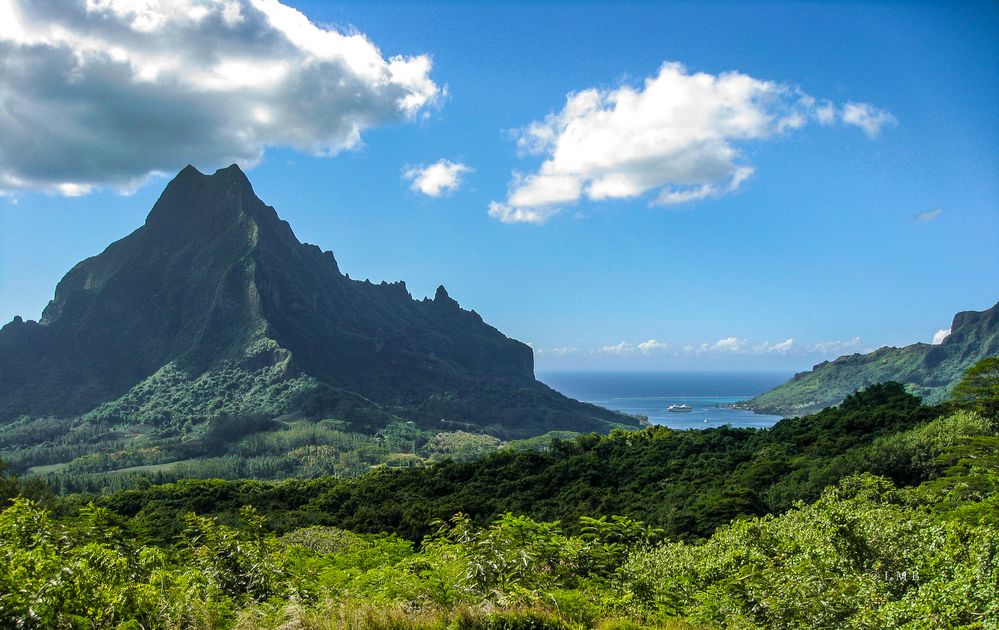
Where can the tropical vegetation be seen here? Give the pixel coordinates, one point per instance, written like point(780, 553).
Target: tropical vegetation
point(879, 513)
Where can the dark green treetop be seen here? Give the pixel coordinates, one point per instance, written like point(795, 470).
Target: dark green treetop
point(978, 389)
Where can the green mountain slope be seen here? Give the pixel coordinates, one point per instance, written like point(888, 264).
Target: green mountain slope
point(213, 309)
point(929, 371)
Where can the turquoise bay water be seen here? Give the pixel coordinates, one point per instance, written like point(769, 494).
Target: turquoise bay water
point(650, 393)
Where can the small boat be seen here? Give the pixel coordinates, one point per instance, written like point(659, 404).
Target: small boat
point(679, 408)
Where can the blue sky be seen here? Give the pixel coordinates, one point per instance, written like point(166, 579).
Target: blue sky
point(833, 181)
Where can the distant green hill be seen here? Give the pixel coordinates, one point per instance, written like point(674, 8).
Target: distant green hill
point(213, 314)
point(929, 371)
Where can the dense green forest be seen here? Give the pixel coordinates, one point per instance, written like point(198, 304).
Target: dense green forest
point(882, 512)
point(685, 482)
point(866, 554)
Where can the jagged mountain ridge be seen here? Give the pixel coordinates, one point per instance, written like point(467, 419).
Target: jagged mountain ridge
point(927, 370)
point(215, 283)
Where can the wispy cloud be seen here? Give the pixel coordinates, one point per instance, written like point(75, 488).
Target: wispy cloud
point(928, 215)
point(560, 351)
point(109, 92)
point(784, 347)
point(436, 179)
point(731, 345)
point(618, 348)
point(676, 136)
point(868, 118)
point(837, 347)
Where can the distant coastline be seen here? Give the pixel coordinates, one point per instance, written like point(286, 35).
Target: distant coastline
point(714, 396)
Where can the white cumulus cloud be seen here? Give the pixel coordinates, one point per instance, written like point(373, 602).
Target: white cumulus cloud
point(728, 344)
point(107, 92)
point(677, 135)
point(652, 345)
point(434, 180)
point(940, 335)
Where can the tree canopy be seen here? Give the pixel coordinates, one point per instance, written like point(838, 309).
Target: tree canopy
point(978, 389)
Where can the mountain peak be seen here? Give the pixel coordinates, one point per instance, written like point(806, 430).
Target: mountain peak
point(190, 176)
point(195, 206)
point(441, 298)
point(232, 173)
point(215, 294)
point(228, 171)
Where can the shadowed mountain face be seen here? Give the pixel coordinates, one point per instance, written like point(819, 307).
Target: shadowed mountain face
point(214, 307)
point(929, 371)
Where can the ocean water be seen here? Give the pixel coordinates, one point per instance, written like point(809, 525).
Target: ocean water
point(650, 393)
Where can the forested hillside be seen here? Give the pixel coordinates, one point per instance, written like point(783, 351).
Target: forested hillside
point(927, 370)
point(916, 547)
point(685, 482)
